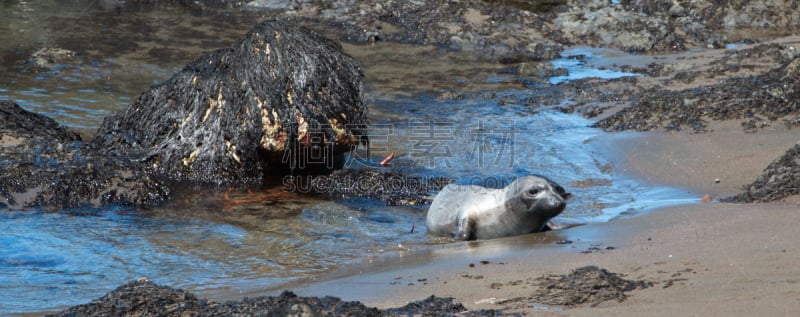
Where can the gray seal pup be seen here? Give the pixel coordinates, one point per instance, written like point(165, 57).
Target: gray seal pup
point(469, 212)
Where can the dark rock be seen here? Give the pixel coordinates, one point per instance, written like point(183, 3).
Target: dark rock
point(519, 30)
point(780, 179)
point(43, 164)
point(278, 97)
point(24, 128)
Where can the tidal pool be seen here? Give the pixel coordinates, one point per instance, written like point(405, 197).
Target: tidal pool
point(442, 113)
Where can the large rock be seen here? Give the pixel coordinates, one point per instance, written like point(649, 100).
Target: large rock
point(284, 99)
point(281, 97)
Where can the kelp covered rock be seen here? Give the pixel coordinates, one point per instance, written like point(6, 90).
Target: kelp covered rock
point(43, 164)
point(282, 95)
point(284, 99)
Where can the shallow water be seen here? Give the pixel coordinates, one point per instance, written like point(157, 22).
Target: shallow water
point(444, 114)
point(582, 63)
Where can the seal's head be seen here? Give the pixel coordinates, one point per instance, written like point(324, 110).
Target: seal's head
point(537, 195)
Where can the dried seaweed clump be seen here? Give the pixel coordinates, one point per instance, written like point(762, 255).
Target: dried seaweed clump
point(143, 298)
point(780, 179)
point(588, 284)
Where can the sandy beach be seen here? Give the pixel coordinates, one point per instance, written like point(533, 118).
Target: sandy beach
point(704, 259)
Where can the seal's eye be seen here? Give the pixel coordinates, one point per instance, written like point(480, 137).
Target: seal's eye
point(533, 191)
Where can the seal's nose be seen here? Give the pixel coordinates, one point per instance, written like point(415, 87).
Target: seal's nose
point(559, 199)
point(560, 204)
point(561, 192)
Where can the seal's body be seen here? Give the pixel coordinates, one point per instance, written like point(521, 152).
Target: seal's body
point(470, 212)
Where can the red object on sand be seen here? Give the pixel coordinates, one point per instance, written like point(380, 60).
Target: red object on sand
point(387, 159)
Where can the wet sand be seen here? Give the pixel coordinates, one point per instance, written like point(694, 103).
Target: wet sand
point(717, 163)
point(703, 258)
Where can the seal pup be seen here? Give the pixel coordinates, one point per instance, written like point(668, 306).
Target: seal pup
point(469, 212)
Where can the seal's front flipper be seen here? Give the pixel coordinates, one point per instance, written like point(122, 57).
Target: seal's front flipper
point(552, 226)
point(465, 230)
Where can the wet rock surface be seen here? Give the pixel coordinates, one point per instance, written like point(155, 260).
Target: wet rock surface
point(195, 6)
point(25, 128)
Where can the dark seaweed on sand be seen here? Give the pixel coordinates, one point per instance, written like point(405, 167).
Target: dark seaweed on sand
point(143, 298)
point(588, 284)
point(780, 179)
